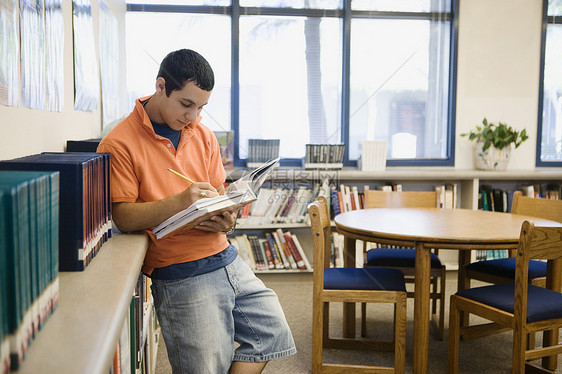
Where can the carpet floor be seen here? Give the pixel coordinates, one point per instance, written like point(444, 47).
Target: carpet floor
point(485, 355)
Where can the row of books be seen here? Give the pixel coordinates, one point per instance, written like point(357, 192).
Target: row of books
point(548, 191)
point(136, 347)
point(491, 254)
point(327, 156)
point(278, 205)
point(447, 196)
point(494, 199)
point(500, 200)
point(289, 205)
point(346, 198)
point(142, 326)
point(29, 259)
point(262, 150)
point(85, 204)
point(275, 250)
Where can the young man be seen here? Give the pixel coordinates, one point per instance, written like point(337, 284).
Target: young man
point(206, 297)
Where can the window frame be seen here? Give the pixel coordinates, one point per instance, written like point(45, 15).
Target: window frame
point(346, 14)
point(546, 20)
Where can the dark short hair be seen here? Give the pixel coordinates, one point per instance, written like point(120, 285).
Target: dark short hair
point(185, 65)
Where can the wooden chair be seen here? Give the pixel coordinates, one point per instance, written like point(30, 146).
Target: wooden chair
point(404, 258)
point(354, 285)
point(520, 306)
point(502, 270)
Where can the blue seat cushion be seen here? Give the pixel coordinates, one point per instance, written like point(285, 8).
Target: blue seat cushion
point(542, 303)
point(364, 279)
point(505, 267)
point(394, 257)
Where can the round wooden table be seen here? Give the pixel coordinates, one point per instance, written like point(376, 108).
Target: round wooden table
point(425, 229)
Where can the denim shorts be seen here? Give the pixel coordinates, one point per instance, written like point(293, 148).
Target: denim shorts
point(202, 317)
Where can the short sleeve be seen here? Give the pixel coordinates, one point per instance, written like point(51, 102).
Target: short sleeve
point(217, 174)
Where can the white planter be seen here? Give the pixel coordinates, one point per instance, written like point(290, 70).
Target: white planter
point(492, 158)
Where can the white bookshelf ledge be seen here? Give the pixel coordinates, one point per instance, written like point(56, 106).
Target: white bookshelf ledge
point(82, 334)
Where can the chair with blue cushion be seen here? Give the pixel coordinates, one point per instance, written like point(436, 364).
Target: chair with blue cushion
point(351, 285)
point(521, 307)
point(502, 270)
point(404, 258)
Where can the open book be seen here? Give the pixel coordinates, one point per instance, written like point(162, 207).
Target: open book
point(237, 194)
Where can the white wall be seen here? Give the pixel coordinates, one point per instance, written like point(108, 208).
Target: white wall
point(498, 77)
point(26, 131)
point(498, 72)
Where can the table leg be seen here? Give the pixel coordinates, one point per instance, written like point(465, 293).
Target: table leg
point(463, 282)
point(421, 309)
point(349, 308)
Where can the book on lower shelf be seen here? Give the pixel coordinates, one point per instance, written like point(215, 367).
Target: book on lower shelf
point(140, 333)
point(447, 196)
point(273, 250)
point(238, 194)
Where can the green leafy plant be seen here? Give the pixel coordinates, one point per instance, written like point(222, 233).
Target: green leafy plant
point(499, 135)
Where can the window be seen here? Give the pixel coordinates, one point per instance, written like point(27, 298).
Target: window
point(313, 71)
point(549, 141)
point(290, 81)
point(399, 86)
point(145, 51)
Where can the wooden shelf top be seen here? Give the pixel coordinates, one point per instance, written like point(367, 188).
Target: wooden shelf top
point(82, 333)
point(269, 226)
point(423, 173)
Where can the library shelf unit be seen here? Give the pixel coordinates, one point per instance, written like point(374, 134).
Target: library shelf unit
point(82, 334)
point(468, 183)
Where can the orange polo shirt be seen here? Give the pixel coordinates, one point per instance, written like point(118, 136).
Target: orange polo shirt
point(139, 173)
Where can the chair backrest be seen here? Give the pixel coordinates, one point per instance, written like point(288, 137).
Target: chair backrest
point(400, 199)
point(540, 243)
point(541, 208)
point(321, 235)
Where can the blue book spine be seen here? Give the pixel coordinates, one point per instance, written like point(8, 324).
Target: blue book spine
point(335, 202)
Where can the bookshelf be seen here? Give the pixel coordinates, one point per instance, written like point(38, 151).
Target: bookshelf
point(83, 332)
point(468, 183)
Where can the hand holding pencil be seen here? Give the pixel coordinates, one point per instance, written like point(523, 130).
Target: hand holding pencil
point(202, 192)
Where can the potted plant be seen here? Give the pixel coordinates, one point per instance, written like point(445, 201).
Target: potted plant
point(493, 144)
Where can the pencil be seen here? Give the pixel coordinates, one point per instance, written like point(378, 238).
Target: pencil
point(181, 175)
